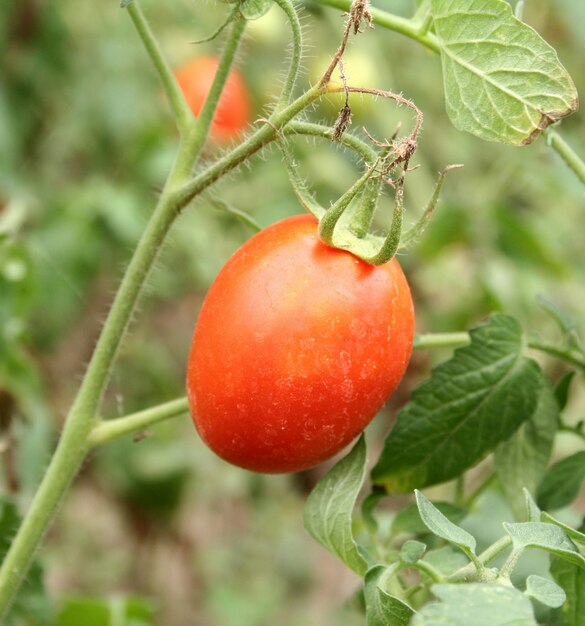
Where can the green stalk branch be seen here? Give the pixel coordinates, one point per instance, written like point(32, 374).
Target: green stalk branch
point(456, 340)
point(266, 134)
point(398, 24)
point(295, 62)
point(368, 154)
point(432, 572)
point(510, 564)
point(440, 340)
point(564, 150)
point(469, 571)
point(108, 430)
point(571, 356)
point(199, 129)
point(178, 104)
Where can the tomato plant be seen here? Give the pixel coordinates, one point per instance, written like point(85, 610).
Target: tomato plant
point(296, 348)
point(308, 328)
point(233, 111)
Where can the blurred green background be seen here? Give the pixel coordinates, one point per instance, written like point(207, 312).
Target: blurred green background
point(160, 531)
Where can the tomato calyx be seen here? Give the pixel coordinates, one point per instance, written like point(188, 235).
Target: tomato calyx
point(346, 224)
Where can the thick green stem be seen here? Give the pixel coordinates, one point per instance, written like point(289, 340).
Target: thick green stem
point(73, 445)
point(267, 133)
point(68, 457)
point(75, 439)
point(108, 430)
point(178, 104)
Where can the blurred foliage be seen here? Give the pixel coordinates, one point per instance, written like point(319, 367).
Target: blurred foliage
point(86, 140)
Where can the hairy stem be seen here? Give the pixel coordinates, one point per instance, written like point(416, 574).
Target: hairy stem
point(75, 439)
point(178, 104)
point(470, 570)
point(199, 129)
point(108, 430)
point(295, 62)
point(266, 134)
point(368, 154)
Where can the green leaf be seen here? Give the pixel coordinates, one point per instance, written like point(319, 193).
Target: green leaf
point(522, 460)
point(547, 537)
point(533, 513)
point(562, 482)
point(113, 611)
point(562, 389)
point(328, 510)
point(254, 9)
point(572, 579)
point(545, 590)
point(438, 524)
point(572, 534)
point(382, 609)
point(476, 604)
point(446, 559)
point(412, 551)
point(520, 241)
point(471, 403)
point(502, 81)
point(369, 503)
point(408, 519)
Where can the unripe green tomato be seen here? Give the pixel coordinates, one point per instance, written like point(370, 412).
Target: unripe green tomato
point(296, 348)
point(360, 71)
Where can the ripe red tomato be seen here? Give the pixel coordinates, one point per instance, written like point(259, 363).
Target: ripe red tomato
point(296, 348)
point(233, 110)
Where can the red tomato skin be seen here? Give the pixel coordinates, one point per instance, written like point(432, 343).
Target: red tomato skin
point(233, 111)
point(296, 348)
